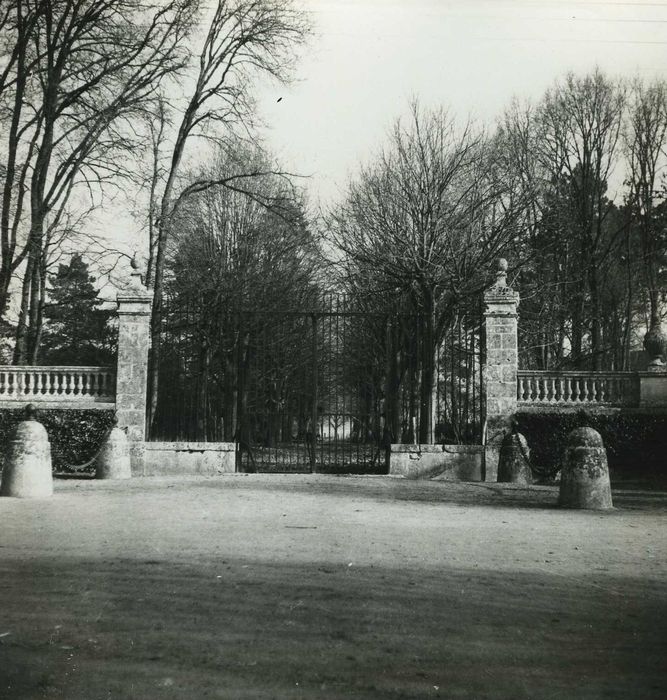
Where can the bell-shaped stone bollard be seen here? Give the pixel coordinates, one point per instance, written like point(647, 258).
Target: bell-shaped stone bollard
point(584, 481)
point(514, 463)
point(27, 472)
point(113, 460)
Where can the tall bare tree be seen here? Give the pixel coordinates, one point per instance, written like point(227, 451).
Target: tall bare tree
point(244, 39)
point(646, 144)
point(83, 70)
point(425, 220)
point(580, 120)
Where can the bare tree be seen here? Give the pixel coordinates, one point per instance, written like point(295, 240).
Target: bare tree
point(83, 72)
point(230, 253)
point(580, 122)
point(244, 39)
point(646, 145)
point(425, 220)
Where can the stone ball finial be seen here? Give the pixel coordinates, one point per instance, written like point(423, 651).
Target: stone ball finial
point(30, 412)
point(502, 265)
point(134, 263)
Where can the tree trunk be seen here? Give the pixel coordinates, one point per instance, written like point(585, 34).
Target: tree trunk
point(21, 345)
point(427, 356)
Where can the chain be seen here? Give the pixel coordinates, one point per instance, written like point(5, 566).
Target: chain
point(79, 467)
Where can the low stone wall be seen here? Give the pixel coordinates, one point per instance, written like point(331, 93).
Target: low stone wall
point(441, 462)
point(188, 458)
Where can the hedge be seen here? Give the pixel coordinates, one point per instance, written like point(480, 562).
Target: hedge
point(75, 434)
point(636, 442)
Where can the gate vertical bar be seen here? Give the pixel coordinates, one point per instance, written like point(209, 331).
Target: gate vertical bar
point(313, 413)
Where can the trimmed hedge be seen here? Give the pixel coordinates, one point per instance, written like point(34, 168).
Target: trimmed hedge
point(636, 443)
point(75, 434)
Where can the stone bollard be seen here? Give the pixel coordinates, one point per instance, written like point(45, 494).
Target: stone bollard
point(584, 481)
point(27, 472)
point(514, 462)
point(113, 460)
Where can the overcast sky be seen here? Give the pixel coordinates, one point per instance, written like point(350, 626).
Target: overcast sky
point(368, 57)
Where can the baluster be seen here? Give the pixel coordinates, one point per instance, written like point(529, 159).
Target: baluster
point(92, 387)
point(39, 384)
point(552, 389)
point(559, 389)
point(585, 389)
point(67, 380)
point(604, 389)
point(3, 383)
point(574, 394)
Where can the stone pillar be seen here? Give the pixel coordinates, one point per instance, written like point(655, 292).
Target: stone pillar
point(499, 373)
point(134, 314)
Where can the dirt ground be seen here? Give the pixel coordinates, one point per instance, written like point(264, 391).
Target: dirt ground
point(265, 586)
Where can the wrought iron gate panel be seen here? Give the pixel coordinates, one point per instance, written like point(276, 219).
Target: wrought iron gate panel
point(326, 388)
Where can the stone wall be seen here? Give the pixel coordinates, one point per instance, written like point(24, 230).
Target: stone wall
point(439, 462)
point(189, 458)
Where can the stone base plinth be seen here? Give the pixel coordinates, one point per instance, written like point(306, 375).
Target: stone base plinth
point(653, 389)
point(440, 462)
point(189, 458)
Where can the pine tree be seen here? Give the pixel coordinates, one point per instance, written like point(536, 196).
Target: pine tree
point(76, 329)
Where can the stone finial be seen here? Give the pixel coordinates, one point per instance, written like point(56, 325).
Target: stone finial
point(654, 344)
point(501, 275)
point(136, 278)
point(30, 412)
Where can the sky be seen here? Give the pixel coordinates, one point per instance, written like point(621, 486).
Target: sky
point(368, 58)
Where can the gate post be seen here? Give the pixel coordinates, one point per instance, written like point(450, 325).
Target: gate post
point(134, 314)
point(499, 373)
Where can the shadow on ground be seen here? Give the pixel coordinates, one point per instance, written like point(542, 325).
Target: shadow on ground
point(246, 629)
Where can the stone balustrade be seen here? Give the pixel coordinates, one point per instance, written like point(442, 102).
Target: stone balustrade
point(575, 388)
point(65, 387)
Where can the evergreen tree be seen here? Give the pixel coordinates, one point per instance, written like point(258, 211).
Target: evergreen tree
point(76, 329)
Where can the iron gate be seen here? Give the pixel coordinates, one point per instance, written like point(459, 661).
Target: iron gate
point(324, 388)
